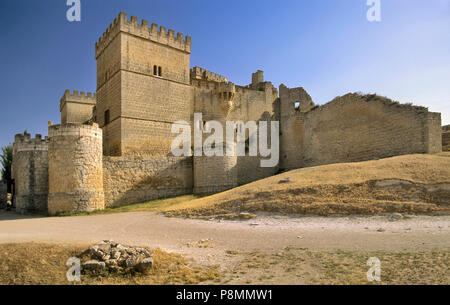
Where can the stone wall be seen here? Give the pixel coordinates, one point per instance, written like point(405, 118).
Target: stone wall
point(248, 104)
point(355, 128)
point(132, 180)
point(446, 138)
point(30, 172)
point(249, 170)
point(215, 174)
point(258, 103)
point(75, 168)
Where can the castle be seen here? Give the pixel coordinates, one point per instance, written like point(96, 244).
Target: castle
point(113, 147)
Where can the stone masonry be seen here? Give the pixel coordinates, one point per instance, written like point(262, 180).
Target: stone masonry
point(446, 138)
point(113, 147)
point(30, 172)
point(75, 172)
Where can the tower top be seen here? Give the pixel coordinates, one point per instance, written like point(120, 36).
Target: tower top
point(142, 30)
point(79, 97)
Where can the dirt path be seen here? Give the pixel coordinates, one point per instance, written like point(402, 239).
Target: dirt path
point(267, 250)
point(208, 241)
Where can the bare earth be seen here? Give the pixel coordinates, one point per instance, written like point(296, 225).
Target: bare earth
point(230, 243)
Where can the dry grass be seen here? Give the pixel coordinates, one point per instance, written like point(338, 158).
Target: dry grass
point(406, 184)
point(44, 264)
point(301, 266)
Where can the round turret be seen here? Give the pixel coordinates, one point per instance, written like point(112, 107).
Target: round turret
point(75, 168)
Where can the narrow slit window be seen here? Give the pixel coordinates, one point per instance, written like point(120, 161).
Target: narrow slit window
point(155, 70)
point(159, 71)
point(107, 119)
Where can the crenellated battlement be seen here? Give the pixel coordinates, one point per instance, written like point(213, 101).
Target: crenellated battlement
point(203, 74)
point(226, 90)
point(77, 97)
point(143, 30)
point(24, 142)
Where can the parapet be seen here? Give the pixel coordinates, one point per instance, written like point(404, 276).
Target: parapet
point(143, 30)
point(203, 74)
point(75, 129)
point(226, 90)
point(79, 97)
point(24, 142)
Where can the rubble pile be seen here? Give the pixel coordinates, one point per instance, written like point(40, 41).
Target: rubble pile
point(114, 257)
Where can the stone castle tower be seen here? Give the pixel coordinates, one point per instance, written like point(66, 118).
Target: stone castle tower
point(113, 147)
point(143, 86)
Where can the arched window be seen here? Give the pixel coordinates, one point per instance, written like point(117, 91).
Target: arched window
point(297, 105)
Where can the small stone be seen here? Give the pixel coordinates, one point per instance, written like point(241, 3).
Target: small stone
point(145, 265)
point(245, 215)
point(120, 247)
point(381, 230)
point(111, 263)
point(130, 262)
point(94, 265)
point(395, 216)
point(104, 247)
point(285, 180)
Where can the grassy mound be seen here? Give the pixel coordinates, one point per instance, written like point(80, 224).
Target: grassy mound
point(405, 184)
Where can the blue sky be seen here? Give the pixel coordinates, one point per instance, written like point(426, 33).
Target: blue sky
point(326, 46)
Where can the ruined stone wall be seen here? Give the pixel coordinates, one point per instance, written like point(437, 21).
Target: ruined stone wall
point(293, 103)
point(30, 172)
point(75, 168)
point(446, 138)
point(132, 180)
point(142, 106)
point(215, 174)
point(355, 128)
point(433, 133)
